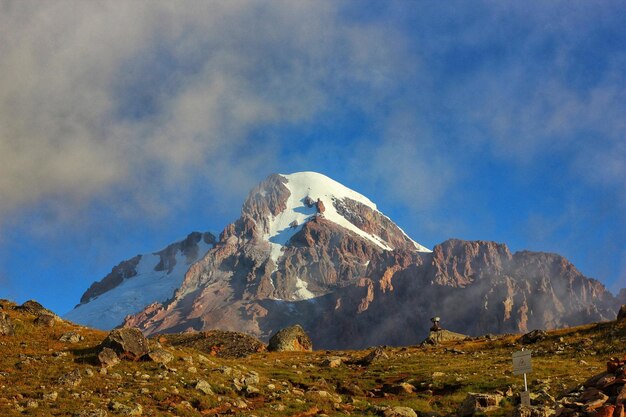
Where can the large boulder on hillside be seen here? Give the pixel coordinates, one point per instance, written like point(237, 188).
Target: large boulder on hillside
point(220, 343)
point(6, 326)
point(128, 343)
point(34, 308)
point(442, 335)
point(533, 337)
point(292, 339)
point(621, 314)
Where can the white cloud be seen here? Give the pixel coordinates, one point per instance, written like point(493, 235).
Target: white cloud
point(82, 112)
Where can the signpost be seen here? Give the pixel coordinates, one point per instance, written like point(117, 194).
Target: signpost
point(522, 365)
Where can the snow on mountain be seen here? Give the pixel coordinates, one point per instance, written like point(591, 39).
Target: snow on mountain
point(307, 187)
point(155, 278)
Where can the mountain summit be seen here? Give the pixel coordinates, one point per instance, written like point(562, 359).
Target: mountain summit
point(309, 250)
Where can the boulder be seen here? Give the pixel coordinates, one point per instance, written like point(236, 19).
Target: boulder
point(71, 337)
point(128, 343)
point(478, 402)
point(108, 358)
point(34, 308)
point(621, 314)
point(399, 412)
point(45, 320)
point(71, 379)
point(6, 326)
point(374, 356)
point(204, 387)
point(442, 335)
point(160, 356)
point(533, 337)
point(290, 339)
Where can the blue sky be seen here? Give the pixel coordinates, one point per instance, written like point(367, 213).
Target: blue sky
point(126, 125)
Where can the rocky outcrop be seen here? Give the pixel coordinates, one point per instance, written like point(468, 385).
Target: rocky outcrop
point(6, 325)
point(602, 395)
point(478, 403)
point(188, 247)
point(533, 337)
point(128, 343)
point(125, 269)
point(223, 344)
point(291, 339)
point(621, 314)
point(442, 335)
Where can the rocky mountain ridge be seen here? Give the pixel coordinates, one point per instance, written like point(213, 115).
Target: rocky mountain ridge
point(308, 250)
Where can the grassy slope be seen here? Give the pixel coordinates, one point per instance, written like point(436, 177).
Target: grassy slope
point(30, 365)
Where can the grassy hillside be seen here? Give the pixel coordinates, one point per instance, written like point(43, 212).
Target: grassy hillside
point(35, 364)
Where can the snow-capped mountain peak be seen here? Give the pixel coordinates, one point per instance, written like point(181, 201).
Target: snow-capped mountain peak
point(312, 194)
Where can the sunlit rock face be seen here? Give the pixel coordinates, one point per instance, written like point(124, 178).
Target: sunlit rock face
point(307, 250)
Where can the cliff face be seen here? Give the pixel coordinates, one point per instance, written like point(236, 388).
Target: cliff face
point(308, 250)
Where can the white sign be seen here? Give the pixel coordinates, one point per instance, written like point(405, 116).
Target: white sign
point(521, 362)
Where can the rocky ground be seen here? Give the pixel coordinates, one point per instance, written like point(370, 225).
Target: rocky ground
point(50, 367)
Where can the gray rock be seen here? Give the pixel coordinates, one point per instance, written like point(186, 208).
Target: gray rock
point(34, 308)
point(399, 412)
point(125, 410)
point(6, 325)
point(98, 412)
point(71, 379)
point(108, 358)
point(204, 387)
point(128, 343)
point(374, 356)
point(533, 337)
point(290, 339)
point(71, 337)
point(161, 356)
point(478, 402)
point(50, 396)
point(45, 320)
point(332, 362)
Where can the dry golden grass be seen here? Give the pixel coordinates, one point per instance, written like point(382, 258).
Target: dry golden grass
point(32, 361)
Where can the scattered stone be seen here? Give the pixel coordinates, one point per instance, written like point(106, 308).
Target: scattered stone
point(290, 339)
point(50, 396)
point(478, 402)
point(125, 410)
point(45, 320)
point(332, 362)
point(398, 389)
point(71, 337)
point(31, 403)
point(523, 411)
point(204, 387)
point(374, 356)
point(98, 412)
point(71, 379)
point(398, 412)
point(6, 326)
point(533, 337)
point(108, 358)
point(161, 356)
point(128, 343)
